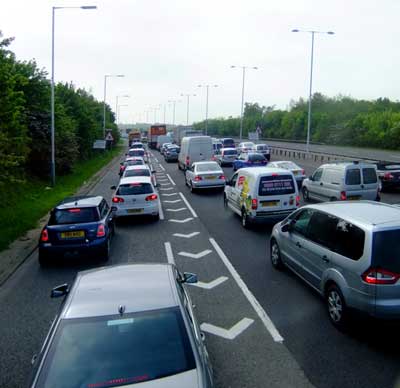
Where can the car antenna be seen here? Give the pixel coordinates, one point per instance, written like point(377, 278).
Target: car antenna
point(121, 309)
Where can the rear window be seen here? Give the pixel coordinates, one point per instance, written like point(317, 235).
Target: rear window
point(137, 162)
point(261, 147)
point(136, 152)
point(276, 185)
point(74, 216)
point(256, 157)
point(288, 165)
point(228, 143)
point(144, 172)
point(118, 350)
point(208, 167)
point(135, 189)
point(369, 175)
point(230, 152)
point(353, 177)
point(386, 250)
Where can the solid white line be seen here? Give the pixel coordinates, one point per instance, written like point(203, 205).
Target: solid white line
point(169, 177)
point(266, 320)
point(176, 210)
point(160, 209)
point(162, 167)
point(170, 254)
point(188, 205)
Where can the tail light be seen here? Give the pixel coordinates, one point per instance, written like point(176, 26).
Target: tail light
point(388, 176)
point(187, 160)
point(303, 171)
point(254, 203)
point(117, 199)
point(213, 158)
point(151, 197)
point(343, 196)
point(221, 177)
point(101, 231)
point(297, 200)
point(198, 178)
point(379, 276)
point(44, 237)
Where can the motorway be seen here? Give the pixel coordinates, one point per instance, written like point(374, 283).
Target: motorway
point(263, 327)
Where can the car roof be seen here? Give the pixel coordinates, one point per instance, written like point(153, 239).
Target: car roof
point(135, 179)
point(228, 148)
point(365, 212)
point(265, 170)
point(137, 287)
point(81, 201)
point(137, 167)
point(205, 162)
point(285, 161)
point(134, 158)
point(345, 164)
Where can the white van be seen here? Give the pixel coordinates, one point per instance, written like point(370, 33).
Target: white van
point(195, 149)
point(262, 194)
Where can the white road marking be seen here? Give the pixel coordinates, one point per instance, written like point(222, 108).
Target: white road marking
point(181, 221)
point(230, 334)
point(176, 210)
point(168, 195)
point(171, 180)
point(190, 235)
point(170, 254)
point(166, 188)
point(174, 201)
point(188, 205)
point(195, 255)
point(163, 179)
point(161, 166)
point(160, 209)
point(212, 284)
point(165, 184)
point(266, 320)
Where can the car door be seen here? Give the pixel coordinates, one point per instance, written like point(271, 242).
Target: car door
point(233, 193)
point(189, 174)
point(315, 184)
point(107, 215)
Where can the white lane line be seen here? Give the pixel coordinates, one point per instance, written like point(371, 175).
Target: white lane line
point(212, 284)
point(163, 179)
point(176, 210)
point(195, 255)
point(190, 235)
point(160, 209)
point(266, 320)
point(231, 333)
point(161, 166)
point(181, 221)
point(171, 180)
point(188, 205)
point(165, 184)
point(170, 254)
point(168, 195)
point(174, 201)
point(166, 188)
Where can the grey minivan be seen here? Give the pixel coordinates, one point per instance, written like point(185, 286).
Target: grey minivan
point(342, 181)
point(348, 251)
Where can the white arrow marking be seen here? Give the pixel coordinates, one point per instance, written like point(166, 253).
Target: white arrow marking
point(176, 210)
point(168, 195)
point(166, 188)
point(174, 201)
point(210, 285)
point(181, 221)
point(195, 255)
point(230, 334)
point(190, 235)
point(161, 166)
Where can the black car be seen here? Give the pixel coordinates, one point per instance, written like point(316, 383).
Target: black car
point(77, 225)
point(171, 153)
point(389, 175)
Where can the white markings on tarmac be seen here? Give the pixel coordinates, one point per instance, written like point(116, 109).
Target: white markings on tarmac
point(168, 195)
point(230, 334)
point(190, 235)
point(212, 284)
point(188, 205)
point(176, 210)
point(266, 320)
point(173, 201)
point(170, 254)
point(166, 188)
point(171, 180)
point(160, 210)
point(195, 255)
point(161, 166)
point(181, 221)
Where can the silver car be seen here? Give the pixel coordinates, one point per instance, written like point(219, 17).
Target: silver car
point(205, 175)
point(226, 156)
point(123, 325)
point(348, 251)
point(298, 172)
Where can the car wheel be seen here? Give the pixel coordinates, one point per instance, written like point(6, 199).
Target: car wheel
point(225, 201)
point(44, 259)
point(245, 219)
point(156, 217)
point(305, 193)
point(105, 255)
point(336, 306)
point(179, 166)
point(234, 168)
point(275, 255)
point(192, 189)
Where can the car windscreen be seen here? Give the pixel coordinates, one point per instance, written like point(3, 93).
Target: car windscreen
point(276, 185)
point(141, 172)
point(207, 167)
point(134, 189)
point(228, 143)
point(230, 152)
point(112, 351)
point(173, 149)
point(73, 216)
point(369, 175)
point(256, 157)
point(136, 153)
point(288, 165)
point(248, 145)
point(137, 145)
point(386, 250)
point(137, 162)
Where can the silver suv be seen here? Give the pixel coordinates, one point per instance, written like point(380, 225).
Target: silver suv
point(348, 251)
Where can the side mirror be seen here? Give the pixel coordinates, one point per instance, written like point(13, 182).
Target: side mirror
point(311, 178)
point(154, 171)
point(189, 278)
point(288, 227)
point(60, 290)
point(113, 187)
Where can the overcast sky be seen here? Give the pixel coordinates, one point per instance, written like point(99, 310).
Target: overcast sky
point(167, 47)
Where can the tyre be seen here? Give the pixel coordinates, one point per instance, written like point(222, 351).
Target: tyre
point(156, 217)
point(245, 219)
point(44, 259)
point(192, 189)
point(275, 255)
point(225, 201)
point(336, 306)
point(179, 166)
point(105, 253)
point(305, 193)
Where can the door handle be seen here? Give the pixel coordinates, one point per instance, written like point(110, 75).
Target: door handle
point(325, 258)
point(321, 184)
point(298, 244)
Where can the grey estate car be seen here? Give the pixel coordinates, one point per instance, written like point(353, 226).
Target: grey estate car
point(348, 251)
point(126, 325)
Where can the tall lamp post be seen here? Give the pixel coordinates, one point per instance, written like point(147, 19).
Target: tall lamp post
point(53, 158)
point(105, 96)
point(116, 104)
point(207, 86)
point(188, 95)
point(242, 106)
point(173, 109)
point(156, 108)
point(118, 108)
point(312, 32)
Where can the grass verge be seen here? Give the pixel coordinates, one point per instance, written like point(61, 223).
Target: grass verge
point(25, 204)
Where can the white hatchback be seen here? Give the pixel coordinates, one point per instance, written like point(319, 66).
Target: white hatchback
point(135, 196)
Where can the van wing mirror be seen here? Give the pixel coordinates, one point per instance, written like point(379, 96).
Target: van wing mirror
point(60, 290)
point(311, 178)
point(189, 278)
point(113, 187)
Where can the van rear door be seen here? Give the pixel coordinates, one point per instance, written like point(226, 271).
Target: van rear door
point(370, 183)
point(200, 150)
point(353, 183)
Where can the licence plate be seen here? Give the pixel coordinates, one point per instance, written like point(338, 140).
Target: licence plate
point(270, 203)
point(212, 177)
point(354, 197)
point(74, 234)
point(135, 211)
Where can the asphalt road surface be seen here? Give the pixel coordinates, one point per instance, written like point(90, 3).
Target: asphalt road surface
point(263, 328)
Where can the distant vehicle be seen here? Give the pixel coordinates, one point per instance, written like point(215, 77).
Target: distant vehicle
point(226, 156)
point(217, 146)
point(137, 144)
point(263, 149)
point(144, 139)
point(123, 326)
point(228, 142)
point(153, 133)
point(297, 171)
point(136, 152)
point(134, 135)
point(204, 175)
point(246, 147)
point(348, 252)
point(135, 196)
point(261, 194)
point(184, 131)
point(249, 159)
point(389, 175)
point(164, 147)
point(82, 225)
point(195, 149)
point(171, 153)
point(342, 181)
point(131, 161)
point(142, 170)
point(161, 140)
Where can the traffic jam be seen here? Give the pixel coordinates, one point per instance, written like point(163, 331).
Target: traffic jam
point(144, 324)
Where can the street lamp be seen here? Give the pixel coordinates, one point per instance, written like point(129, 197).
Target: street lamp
point(242, 107)
point(312, 32)
point(207, 86)
point(188, 95)
point(104, 100)
point(119, 106)
point(156, 108)
point(53, 159)
point(116, 104)
point(173, 109)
